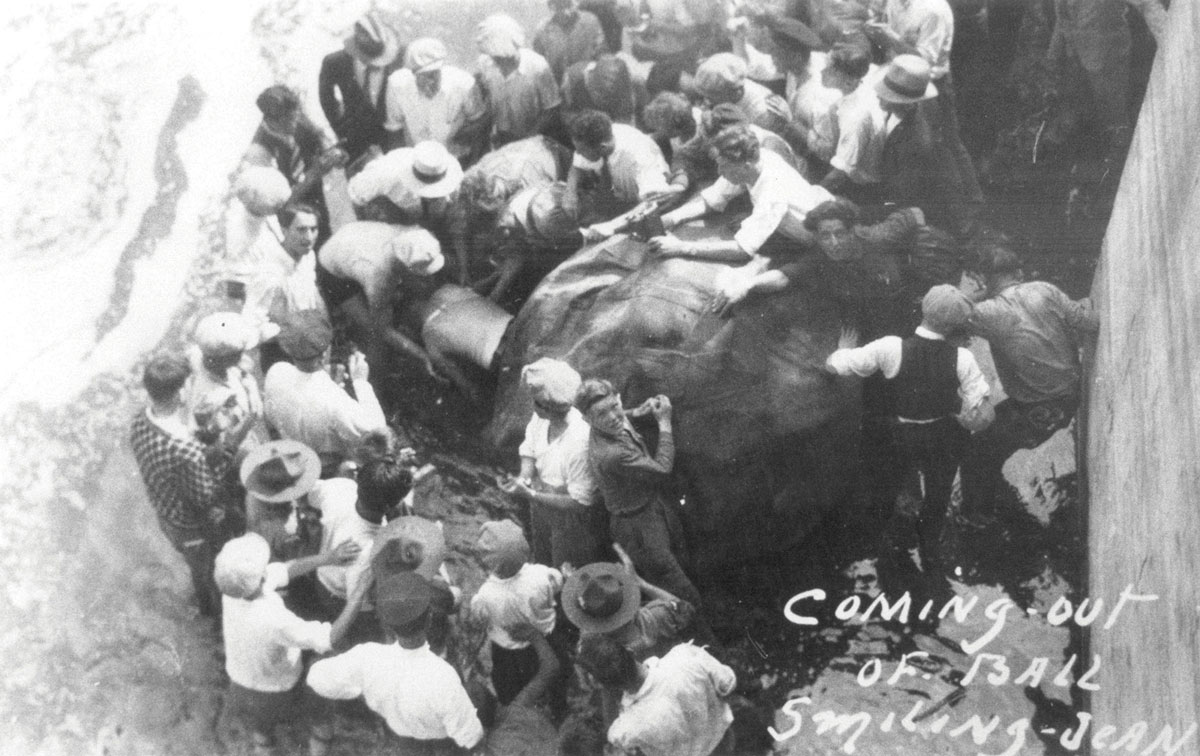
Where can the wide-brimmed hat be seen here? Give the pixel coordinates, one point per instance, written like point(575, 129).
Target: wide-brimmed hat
point(600, 597)
point(908, 79)
point(402, 597)
point(280, 471)
point(428, 170)
point(409, 544)
point(373, 42)
point(425, 54)
point(225, 333)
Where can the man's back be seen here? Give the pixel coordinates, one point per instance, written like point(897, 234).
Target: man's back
point(1032, 329)
point(679, 710)
point(178, 477)
point(312, 409)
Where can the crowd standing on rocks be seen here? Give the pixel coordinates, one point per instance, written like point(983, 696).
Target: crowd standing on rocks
point(830, 128)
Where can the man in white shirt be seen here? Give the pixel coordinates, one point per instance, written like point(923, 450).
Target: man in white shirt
point(672, 706)
point(615, 167)
point(781, 198)
point(417, 693)
point(304, 404)
point(264, 639)
point(939, 395)
point(429, 100)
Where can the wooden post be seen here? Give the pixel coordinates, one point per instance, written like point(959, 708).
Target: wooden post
point(1143, 410)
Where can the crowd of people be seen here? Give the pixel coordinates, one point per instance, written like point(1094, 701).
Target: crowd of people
point(830, 127)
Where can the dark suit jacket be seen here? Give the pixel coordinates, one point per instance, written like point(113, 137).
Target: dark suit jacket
point(354, 119)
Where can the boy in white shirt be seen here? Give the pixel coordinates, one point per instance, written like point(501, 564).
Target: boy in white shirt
point(264, 639)
point(518, 597)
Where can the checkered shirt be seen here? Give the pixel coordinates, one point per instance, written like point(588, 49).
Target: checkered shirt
point(180, 480)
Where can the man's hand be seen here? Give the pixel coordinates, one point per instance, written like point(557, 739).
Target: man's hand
point(670, 246)
point(345, 553)
point(660, 407)
point(357, 366)
point(733, 285)
point(216, 515)
point(848, 339)
point(515, 487)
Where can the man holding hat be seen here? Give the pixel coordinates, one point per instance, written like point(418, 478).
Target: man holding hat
point(417, 693)
point(359, 269)
point(352, 85)
point(518, 85)
point(304, 404)
point(919, 165)
point(556, 480)
point(938, 395)
point(429, 100)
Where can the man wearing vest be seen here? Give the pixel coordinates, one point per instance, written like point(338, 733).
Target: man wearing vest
point(938, 394)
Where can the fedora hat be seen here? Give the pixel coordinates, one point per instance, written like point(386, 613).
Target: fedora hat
point(373, 42)
point(428, 170)
point(600, 597)
point(280, 471)
point(907, 80)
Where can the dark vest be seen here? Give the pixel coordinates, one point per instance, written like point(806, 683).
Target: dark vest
point(926, 388)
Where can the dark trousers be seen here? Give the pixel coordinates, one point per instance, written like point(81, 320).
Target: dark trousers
point(199, 551)
point(1018, 425)
point(934, 450)
point(653, 538)
point(559, 536)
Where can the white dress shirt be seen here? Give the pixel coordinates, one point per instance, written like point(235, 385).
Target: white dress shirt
point(263, 639)
point(370, 252)
point(312, 409)
point(637, 166)
point(340, 522)
point(883, 355)
point(417, 692)
point(563, 462)
point(781, 197)
point(680, 708)
point(862, 131)
point(526, 598)
point(436, 118)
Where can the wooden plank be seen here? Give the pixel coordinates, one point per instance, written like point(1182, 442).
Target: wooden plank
point(1143, 445)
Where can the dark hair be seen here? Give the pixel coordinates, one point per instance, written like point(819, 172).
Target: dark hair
point(277, 101)
point(669, 112)
point(722, 116)
point(581, 735)
point(737, 144)
point(666, 77)
point(288, 212)
point(382, 483)
point(609, 81)
point(835, 209)
point(851, 60)
point(165, 375)
point(591, 127)
point(376, 445)
point(219, 362)
point(607, 660)
point(414, 627)
point(995, 257)
point(591, 391)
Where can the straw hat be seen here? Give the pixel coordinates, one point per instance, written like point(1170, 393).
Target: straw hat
point(908, 80)
point(425, 54)
point(225, 333)
point(428, 170)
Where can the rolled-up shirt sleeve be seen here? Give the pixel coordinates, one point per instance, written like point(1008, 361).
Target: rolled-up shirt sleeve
point(292, 632)
point(879, 355)
point(720, 193)
point(972, 386)
point(763, 222)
